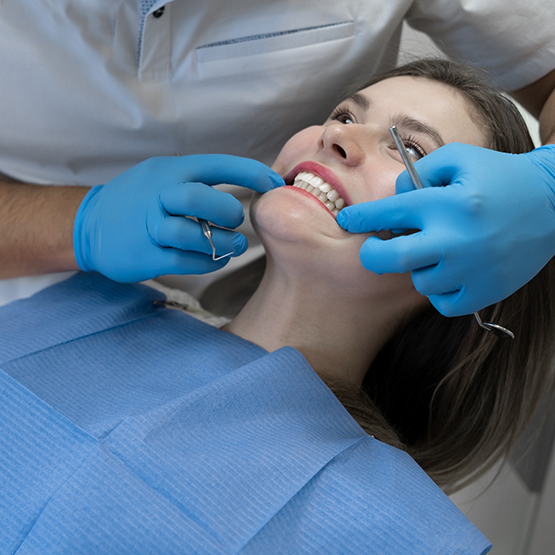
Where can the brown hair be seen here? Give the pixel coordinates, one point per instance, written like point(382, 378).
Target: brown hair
point(451, 394)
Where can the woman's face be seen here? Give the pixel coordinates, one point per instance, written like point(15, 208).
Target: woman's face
point(353, 158)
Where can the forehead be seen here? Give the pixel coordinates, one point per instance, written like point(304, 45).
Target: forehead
point(431, 102)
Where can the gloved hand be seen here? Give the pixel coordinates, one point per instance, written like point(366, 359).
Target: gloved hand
point(485, 235)
point(133, 228)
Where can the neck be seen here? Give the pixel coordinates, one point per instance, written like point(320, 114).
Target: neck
point(337, 332)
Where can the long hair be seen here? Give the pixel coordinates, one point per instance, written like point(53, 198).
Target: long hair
point(454, 396)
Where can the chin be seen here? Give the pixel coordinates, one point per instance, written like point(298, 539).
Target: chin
point(304, 239)
point(287, 215)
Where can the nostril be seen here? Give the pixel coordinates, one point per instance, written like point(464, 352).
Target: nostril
point(340, 150)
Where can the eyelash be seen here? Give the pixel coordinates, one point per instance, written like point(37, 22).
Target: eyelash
point(410, 140)
point(341, 110)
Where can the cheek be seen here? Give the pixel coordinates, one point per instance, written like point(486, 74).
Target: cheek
point(387, 187)
point(379, 183)
point(297, 149)
point(392, 172)
point(266, 214)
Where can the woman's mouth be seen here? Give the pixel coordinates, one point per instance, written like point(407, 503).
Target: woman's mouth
point(321, 190)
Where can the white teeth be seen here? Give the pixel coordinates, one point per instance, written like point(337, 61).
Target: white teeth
point(333, 195)
point(315, 181)
point(320, 189)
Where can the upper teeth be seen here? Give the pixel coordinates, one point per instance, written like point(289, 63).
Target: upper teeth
point(322, 190)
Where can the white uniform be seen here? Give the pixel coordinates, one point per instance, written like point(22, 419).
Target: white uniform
point(88, 89)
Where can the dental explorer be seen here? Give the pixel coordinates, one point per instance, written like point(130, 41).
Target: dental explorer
point(496, 329)
point(208, 234)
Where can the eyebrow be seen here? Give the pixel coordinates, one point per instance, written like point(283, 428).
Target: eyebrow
point(360, 100)
point(402, 121)
point(406, 122)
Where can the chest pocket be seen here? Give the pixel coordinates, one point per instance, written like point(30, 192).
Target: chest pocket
point(274, 42)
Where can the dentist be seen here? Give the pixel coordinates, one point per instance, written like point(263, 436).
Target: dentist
point(90, 93)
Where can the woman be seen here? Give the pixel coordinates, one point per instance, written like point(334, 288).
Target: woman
point(131, 428)
point(455, 397)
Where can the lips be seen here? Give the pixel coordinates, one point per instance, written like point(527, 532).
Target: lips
point(321, 190)
point(310, 173)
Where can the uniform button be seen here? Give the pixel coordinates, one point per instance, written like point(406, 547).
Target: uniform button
point(159, 12)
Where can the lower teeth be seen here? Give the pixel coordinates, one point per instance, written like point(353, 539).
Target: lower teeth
point(333, 204)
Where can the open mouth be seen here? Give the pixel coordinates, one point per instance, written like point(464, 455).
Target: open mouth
point(321, 190)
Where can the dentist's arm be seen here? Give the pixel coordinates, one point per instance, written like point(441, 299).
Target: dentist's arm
point(36, 228)
point(482, 237)
point(539, 99)
point(134, 227)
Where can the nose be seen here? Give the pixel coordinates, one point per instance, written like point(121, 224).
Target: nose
point(340, 142)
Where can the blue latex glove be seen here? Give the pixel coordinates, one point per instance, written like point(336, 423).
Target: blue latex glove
point(133, 228)
point(482, 237)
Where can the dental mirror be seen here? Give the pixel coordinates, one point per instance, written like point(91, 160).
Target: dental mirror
point(496, 329)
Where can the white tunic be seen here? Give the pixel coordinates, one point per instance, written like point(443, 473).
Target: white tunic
point(89, 89)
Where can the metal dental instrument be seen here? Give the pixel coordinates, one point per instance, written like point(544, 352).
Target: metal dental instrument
point(496, 329)
point(208, 234)
point(406, 158)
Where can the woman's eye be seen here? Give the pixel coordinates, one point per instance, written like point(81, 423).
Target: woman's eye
point(344, 118)
point(413, 147)
point(342, 115)
point(414, 151)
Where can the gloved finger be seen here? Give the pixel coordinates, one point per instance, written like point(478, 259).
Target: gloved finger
point(431, 280)
point(400, 212)
point(441, 167)
point(451, 304)
point(437, 169)
point(403, 183)
point(187, 235)
point(399, 254)
point(202, 201)
point(227, 241)
point(179, 233)
point(466, 300)
point(224, 168)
